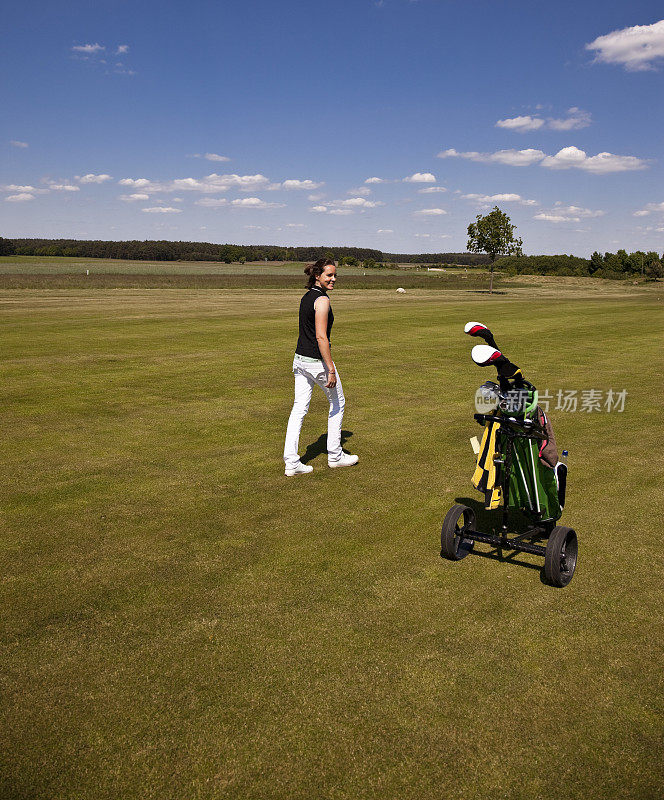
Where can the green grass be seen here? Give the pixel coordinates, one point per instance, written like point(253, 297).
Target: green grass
point(181, 621)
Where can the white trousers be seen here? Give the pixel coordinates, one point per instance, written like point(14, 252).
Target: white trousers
point(307, 374)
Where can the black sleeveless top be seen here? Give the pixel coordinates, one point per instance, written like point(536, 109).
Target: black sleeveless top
point(306, 343)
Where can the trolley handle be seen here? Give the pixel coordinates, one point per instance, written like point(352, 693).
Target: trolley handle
point(524, 423)
point(531, 428)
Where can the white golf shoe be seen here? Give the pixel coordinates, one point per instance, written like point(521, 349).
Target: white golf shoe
point(300, 469)
point(346, 460)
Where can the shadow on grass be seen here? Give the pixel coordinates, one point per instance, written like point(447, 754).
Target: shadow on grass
point(488, 522)
point(320, 446)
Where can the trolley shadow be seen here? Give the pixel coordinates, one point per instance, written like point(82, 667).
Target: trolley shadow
point(486, 520)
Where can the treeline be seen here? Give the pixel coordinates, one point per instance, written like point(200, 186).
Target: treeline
point(614, 266)
point(618, 265)
point(229, 253)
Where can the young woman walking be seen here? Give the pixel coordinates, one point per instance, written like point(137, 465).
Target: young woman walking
point(313, 365)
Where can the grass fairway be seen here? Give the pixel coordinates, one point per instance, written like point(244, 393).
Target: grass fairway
point(182, 621)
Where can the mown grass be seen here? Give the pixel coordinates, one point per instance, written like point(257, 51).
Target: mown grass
point(183, 621)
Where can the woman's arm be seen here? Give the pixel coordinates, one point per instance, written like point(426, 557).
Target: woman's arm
point(321, 309)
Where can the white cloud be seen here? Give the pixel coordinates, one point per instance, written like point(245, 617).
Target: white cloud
point(210, 184)
point(636, 48)
point(521, 124)
point(130, 198)
point(92, 178)
point(254, 202)
point(215, 157)
point(295, 225)
point(15, 187)
point(16, 143)
point(360, 202)
point(563, 213)
point(315, 197)
point(568, 157)
point(573, 157)
point(363, 191)
point(385, 230)
point(555, 217)
point(487, 199)
point(345, 207)
point(122, 50)
point(431, 212)
point(422, 235)
point(565, 159)
point(577, 211)
point(576, 118)
point(513, 158)
point(212, 202)
point(135, 183)
point(19, 198)
point(162, 210)
point(650, 208)
point(63, 187)
point(293, 183)
point(88, 49)
point(374, 180)
point(432, 189)
point(420, 177)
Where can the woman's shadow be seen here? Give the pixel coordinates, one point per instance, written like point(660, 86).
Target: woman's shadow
point(320, 446)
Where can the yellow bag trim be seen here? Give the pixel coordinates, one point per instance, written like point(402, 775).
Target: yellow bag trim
point(484, 476)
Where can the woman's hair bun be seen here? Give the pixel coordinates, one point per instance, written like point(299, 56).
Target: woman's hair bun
point(308, 270)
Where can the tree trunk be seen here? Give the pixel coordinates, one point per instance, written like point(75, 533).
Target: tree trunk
point(491, 280)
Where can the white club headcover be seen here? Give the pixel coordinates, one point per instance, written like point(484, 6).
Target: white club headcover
point(471, 328)
point(483, 355)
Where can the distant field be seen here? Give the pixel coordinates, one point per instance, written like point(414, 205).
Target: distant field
point(35, 265)
point(182, 621)
point(69, 273)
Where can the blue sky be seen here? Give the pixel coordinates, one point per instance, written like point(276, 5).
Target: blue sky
point(378, 124)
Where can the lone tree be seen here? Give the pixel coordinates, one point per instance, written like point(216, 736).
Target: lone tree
point(493, 234)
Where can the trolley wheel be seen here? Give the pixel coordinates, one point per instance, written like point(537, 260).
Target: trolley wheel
point(452, 542)
point(560, 558)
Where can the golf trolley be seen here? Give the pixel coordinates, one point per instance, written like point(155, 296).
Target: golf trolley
point(517, 470)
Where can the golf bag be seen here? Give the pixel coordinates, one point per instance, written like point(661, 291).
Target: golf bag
point(517, 463)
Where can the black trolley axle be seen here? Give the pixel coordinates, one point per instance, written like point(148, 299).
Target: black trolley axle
point(505, 543)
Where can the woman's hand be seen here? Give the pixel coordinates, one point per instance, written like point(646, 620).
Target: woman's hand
point(331, 379)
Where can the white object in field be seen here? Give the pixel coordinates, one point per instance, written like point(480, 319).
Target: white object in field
point(475, 444)
point(482, 354)
point(87, 271)
point(401, 290)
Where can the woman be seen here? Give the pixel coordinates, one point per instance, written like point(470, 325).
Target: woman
point(313, 365)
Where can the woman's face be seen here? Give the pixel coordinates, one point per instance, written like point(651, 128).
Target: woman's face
point(328, 277)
